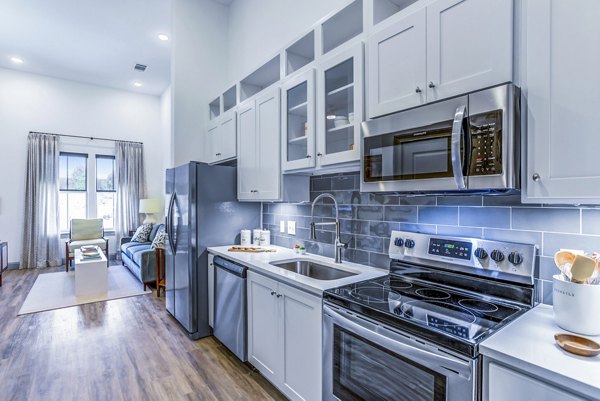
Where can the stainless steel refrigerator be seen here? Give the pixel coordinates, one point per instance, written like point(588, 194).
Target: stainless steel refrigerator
point(201, 211)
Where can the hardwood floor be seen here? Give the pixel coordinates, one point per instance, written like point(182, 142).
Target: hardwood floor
point(126, 349)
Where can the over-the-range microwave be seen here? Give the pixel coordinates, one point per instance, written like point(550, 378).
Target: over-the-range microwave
point(469, 143)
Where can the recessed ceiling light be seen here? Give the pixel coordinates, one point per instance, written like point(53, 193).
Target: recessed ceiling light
point(163, 37)
point(138, 84)
point(16, 60)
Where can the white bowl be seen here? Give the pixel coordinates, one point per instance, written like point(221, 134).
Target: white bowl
point(576, 306)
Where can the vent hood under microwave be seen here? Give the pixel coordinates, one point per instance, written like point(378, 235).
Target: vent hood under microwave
point(466, 144)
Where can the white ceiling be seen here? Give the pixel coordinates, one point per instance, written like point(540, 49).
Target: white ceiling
point(92, 41)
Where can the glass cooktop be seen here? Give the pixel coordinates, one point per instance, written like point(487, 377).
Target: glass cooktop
point(449, 317)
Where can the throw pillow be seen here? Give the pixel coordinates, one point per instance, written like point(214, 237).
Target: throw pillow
point(142, 234)
point(159, 239)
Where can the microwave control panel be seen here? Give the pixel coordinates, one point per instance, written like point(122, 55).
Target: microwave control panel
point(486, 143)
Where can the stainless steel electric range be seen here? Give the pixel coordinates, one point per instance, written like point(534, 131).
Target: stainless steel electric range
point(414, 334)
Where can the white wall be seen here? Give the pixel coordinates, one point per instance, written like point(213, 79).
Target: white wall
point(31, 102)
point(198, 71)
point(260, 28)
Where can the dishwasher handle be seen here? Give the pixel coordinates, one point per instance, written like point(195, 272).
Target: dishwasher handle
point(230, 267)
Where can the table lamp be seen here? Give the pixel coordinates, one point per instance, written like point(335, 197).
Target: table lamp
point(150, 207)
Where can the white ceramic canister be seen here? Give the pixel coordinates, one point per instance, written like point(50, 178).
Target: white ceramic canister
point(246, 238)
point(256, 236)
point(265, 238)
point(576, 306)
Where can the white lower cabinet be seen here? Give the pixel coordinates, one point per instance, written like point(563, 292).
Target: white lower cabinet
point(502, 383)
point(284, 336)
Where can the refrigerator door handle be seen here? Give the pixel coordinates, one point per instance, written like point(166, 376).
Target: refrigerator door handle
point(170, 223)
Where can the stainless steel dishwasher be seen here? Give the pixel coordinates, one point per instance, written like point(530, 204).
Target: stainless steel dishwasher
point(230, 325)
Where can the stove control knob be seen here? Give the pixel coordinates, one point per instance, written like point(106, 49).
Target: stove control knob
point(399, 242)
point(497, 256)
point(515, 258)
point(480, 253)
point(409, 243)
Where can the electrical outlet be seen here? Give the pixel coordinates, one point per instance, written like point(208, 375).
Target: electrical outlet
point(291, 227)
point(282, 226)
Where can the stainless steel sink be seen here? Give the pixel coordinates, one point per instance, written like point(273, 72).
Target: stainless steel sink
point(312, 269)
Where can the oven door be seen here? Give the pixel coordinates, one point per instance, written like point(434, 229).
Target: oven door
point(418, 150)
point(366, 361)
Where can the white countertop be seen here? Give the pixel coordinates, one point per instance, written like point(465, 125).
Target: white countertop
point(528, 344)
point(260, 263)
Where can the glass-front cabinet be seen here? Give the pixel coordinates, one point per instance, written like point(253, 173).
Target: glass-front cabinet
point(298, 122)
point(340, 92)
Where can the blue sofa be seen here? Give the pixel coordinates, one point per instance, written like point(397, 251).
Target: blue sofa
point(140, 258)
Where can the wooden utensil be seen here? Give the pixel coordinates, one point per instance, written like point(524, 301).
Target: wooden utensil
point(582, 269)
point(563, 257)
point(577, 345)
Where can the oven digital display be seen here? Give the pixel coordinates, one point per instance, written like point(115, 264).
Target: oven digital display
point(450, 248)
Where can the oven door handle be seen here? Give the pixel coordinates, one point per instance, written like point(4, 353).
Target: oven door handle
point(397, 345)
point(456, 142)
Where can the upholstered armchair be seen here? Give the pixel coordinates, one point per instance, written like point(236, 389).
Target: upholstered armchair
point(85, 232)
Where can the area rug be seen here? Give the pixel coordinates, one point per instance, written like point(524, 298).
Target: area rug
point(57, 290)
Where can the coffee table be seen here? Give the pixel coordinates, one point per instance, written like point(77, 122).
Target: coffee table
point(91, 276)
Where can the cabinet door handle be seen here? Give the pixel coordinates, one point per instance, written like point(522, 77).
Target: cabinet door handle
point(278, 295)
point(418, 90)
point(536, 177)
point(308, 156)
point(273, 293)
point(217, 154)
point(431, 84)
point(319, 154)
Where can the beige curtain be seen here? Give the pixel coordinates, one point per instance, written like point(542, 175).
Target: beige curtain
point(131, 186)
point(41, 231)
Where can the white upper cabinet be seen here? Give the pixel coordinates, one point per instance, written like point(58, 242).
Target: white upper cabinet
point(259, 164)
point(561, 55)
point(298, 122)
point(268, 126)
point(397, 57)
point(469, 46)
point(247, 160)
point(340, 105)
point(221, 135)
point(227, 136)
point(448, 48)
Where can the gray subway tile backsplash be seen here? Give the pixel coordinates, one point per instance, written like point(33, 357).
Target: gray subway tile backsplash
point(495, 217)
point(403, 214)
point(553, 242)
point(590, 221)
point(367, 220)
point(438, 215)
point(546, 219)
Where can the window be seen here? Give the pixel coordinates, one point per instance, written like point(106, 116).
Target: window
point(73, 188)
point(87, 188)
point(105, 190)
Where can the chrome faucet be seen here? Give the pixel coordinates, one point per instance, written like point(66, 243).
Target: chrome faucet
point(339, 245)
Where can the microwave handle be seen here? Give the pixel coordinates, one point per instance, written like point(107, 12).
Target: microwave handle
point(457, 140)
